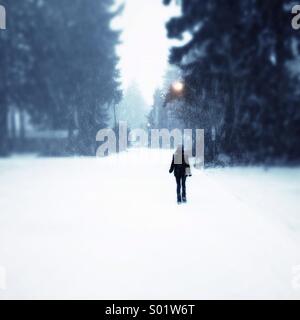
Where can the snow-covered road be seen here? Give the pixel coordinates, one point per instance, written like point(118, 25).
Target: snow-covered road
point(111, 229)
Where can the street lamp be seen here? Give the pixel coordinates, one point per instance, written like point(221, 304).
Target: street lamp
point(176, 91)
point(178, 87)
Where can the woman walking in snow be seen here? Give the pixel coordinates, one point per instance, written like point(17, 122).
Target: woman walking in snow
point(181, 168)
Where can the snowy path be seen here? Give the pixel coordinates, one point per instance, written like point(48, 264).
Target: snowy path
point(110, 229)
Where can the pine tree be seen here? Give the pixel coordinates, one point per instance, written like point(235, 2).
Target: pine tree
point(166, 115)
point(133, 108)
point(15, 63)
point(235, 68)
point(84, 77)
point(59, 64)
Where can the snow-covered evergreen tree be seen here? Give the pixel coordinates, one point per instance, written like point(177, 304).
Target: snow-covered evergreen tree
point(133, 108)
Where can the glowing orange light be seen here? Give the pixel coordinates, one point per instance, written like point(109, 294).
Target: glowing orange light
point(178, 86)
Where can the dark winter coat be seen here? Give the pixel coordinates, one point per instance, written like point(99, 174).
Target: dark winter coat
point(180, 166)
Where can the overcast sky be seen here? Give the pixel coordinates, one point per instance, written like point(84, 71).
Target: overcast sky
point(144, 49)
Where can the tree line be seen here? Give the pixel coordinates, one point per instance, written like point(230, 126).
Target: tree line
point(58, 63)
point(242, 74)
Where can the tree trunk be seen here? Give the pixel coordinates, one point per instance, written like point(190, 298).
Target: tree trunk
point(3, 128)
point(22, 125)
point(229, 117)
point(12, 119)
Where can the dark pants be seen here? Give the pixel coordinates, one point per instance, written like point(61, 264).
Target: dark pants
point(180, 180)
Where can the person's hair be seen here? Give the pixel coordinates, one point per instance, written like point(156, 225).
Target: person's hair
point(179, 155)
point(180, 148)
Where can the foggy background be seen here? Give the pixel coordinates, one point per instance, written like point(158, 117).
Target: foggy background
point(68, 71)
point(77, 226)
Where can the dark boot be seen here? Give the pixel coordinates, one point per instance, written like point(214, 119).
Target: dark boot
point(178, 181)
point(179, 199)
point(183, 190)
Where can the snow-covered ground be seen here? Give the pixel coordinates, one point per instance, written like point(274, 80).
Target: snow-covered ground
point(111, 229)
